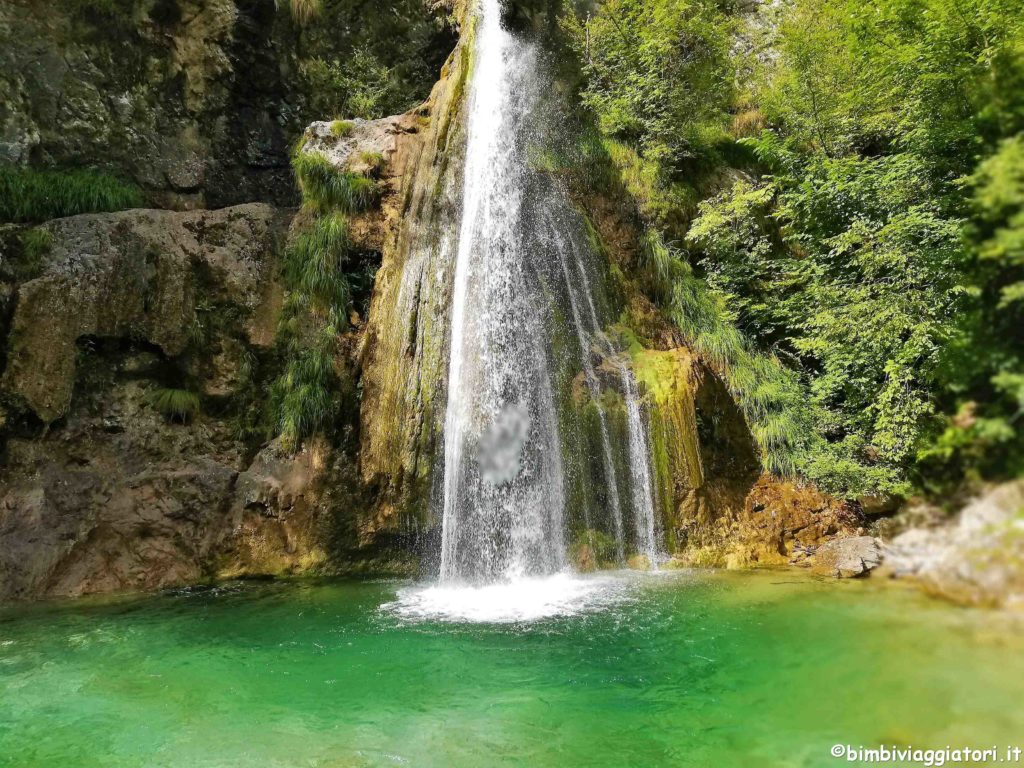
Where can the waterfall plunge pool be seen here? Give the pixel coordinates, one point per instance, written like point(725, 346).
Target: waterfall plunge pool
point(671, 669)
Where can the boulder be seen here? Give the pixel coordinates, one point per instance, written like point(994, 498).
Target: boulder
point(142, 275)
point(975, 558)
point(847, 558)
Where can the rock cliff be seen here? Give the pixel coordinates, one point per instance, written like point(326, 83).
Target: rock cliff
point(199, 101)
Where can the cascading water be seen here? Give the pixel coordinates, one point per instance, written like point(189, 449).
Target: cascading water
point(503, 481)
point(640, 468)
point(503, 503)
point(581, 293)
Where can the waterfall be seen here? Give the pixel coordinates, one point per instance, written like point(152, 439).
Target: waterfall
point(577, 284)
point(503, 479)
point(581, 292)
point(503, 502)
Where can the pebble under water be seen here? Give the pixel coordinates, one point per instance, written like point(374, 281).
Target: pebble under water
point(673, 669)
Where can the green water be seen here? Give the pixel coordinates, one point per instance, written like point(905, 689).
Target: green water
point(712, 669)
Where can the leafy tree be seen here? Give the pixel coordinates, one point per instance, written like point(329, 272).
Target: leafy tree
point(873, 239)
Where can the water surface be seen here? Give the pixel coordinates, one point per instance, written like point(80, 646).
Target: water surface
point(687, 669)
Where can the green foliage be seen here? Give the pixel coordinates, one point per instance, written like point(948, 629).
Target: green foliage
point(359, 86)
point(303, 394)
point(658, 76)
point(315, 266)
point(176, 404)
point(31, 196)
point(861, 277)
point(999, 222)
point(770, 396)
point(325, 187)
point(319, 272)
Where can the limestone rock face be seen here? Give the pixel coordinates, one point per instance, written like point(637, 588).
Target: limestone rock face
point(405, 346)
point(196, 101)
point(848, 557)
point(119, 499)
point(977, 558)
point(145, 275)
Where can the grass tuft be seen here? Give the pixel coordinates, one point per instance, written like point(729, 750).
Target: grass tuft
point(176, 404)
point(315, 261)
point(31, 196)
point(305, 11)
point(371, 164)
point(303, 395)
point(35, 245)
point(325, 187)
point(341, 128)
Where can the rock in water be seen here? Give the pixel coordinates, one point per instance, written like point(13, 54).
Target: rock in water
point(976, 559)
point(847, 558)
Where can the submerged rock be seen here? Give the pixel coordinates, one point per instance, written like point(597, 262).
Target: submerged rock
point(847, 558)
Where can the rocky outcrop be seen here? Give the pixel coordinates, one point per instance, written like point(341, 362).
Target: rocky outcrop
point(977, 558)
point(119, 499)
point(847, 558)
point(99, 489)
point(198, 102)
point(146, 275)
point(405, 347)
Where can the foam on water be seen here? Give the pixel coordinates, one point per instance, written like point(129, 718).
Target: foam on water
point(517, 600)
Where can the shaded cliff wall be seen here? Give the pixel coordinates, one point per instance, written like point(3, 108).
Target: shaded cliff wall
point(199, 101)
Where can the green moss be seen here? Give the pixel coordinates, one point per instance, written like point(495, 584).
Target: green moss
point(176, 404)
point(593, 549)
point(458, 92)
point(30, 196)
point(35, 245)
